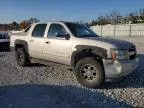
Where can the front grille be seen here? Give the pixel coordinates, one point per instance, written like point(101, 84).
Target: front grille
point(132, 52)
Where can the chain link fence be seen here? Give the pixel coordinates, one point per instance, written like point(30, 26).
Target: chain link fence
point(123, 30)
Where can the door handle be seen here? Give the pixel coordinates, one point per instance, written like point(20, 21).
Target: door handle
point(48, 42)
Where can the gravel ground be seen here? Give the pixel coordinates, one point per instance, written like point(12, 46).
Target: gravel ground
point(40, 86)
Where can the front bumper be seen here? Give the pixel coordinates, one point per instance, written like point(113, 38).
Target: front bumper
point(118, 69)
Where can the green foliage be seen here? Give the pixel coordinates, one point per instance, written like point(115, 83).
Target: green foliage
point(142, 18)
point(133, 18)
point(94, 23)
point(102, 21)
point(14, 26)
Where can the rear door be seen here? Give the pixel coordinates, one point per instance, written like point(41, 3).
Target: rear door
point(36, 40)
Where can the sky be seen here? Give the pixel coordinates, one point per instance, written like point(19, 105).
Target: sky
point(70, 10)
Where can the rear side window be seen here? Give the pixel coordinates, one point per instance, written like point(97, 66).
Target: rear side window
point(39, 30)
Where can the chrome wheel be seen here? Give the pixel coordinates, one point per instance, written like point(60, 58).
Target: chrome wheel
point(88, 72)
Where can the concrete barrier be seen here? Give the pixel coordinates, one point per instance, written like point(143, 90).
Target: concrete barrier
point(122, 30)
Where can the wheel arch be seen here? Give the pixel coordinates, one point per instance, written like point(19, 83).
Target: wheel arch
point(83, 51)
point(21, 43)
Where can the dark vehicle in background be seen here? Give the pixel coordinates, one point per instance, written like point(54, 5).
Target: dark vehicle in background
point(4, 41)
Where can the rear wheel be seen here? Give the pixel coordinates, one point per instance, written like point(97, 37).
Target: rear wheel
point(89, 72)
point(21, 57)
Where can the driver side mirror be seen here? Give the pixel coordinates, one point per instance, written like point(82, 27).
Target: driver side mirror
point(66, 36)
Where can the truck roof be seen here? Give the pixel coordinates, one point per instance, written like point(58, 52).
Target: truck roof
point(54, 22)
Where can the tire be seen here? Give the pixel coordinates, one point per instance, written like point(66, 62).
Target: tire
point(89, 72)
point(21, 57)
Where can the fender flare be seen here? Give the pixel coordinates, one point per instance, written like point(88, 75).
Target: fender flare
point(101, 52)
point(22, 42)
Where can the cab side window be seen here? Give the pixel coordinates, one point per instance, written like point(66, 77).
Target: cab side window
point(56, 30)
point(39, 30)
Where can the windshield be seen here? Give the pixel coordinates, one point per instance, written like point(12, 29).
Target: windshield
point(79, 30)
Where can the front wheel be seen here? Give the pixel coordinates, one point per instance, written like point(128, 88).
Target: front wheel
point(89, 72)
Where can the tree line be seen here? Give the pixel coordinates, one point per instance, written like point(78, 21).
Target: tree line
point(18, 26)
point(116, 18)
point(23, 24)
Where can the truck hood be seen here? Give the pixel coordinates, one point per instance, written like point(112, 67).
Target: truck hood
point(119, 44)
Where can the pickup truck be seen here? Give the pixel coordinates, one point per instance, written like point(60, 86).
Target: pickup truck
point(94, 59)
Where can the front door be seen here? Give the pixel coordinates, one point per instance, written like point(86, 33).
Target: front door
point(56, 47)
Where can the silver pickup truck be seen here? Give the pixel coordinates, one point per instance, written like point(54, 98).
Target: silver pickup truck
point(94, 59)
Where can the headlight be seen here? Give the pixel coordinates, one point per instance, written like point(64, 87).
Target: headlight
point(119, 54)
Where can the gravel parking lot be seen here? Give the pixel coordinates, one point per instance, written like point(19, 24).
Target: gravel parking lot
point(40, 86)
